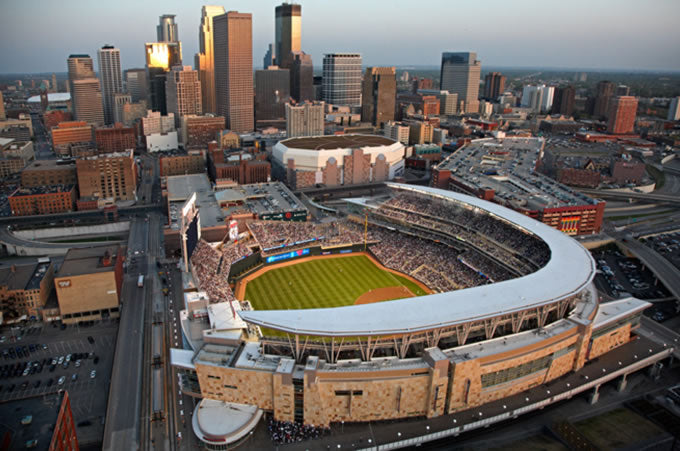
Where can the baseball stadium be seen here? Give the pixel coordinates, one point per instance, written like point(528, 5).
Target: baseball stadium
point(421, 303)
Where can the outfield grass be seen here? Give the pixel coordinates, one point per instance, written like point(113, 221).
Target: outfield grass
point(321, 283)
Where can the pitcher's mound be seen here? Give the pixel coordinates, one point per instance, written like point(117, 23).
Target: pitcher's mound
point(384, 294)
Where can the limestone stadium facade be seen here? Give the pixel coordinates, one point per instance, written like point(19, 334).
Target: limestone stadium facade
point(337, 160)
point(511, 306)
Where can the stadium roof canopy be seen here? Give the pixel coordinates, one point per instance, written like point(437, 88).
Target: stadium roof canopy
point(329, 142)
point(569, 271)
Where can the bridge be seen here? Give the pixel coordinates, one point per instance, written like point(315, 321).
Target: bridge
point(649, 197)
point(668, 274)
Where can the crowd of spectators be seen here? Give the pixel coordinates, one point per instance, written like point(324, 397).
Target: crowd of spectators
point(211, 266)
point(272, 236)
point(283, 432)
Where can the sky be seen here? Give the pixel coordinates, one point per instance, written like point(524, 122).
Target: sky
point(38, 35)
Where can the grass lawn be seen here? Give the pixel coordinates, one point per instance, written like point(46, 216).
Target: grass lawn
point(619, 428)
point(328, 282)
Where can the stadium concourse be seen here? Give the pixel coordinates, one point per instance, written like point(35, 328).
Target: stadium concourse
point(513, 307)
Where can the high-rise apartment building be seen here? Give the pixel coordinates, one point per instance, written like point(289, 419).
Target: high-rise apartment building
point(621, 116)
point(378, 95)
point(341, 83)
point(397, 131)
point(673, 109)
point(271, 93)
point(622, 90)
point(86, 95)
point(494, 85)
point(136, 84)
point(54, 86)
point(460, 72)
point(183, 92)
point(563, 100)
point(538, 98)
point(301, 77)
point(166, 30)
point(305, 119)
point(107, 176)
point(205, 58)
point(233, 45)
point(160, 58)
point(111, 78)
point(288, 22)
point(3, 116)
point(604, 92)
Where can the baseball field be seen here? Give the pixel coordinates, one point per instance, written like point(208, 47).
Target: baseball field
point(321, 282)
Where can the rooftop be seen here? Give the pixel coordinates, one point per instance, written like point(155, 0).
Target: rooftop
point(44, 411)
point(41, 165)
point(506, 166)
point(337, 142)
point(181, 187)
point(47, 189)
point(260, 198)
point(545, 286)
point(52, 97)
point(88, 260)
point(23, 277)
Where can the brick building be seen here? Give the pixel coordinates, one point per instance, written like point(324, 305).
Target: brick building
point(53, 118)
point(42, 200)
point(243, 168)
point(622, 112)
point(107, 176)
point(198, 131)
point(49, 172)
point(24, 289)
point(180, 163)
point(70, 133)
point(116, 138)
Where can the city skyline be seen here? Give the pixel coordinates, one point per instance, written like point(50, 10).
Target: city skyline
point(525, 36)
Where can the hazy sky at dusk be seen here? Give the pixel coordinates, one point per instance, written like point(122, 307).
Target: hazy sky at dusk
point(38, 35)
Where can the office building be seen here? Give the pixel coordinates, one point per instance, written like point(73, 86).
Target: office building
point(604, 92)
point(420, 132)
point(397, 132)
point(110, 176)
point(301, 77)
point(288, 22)
point(448, 102)
point(269, 57)
point(181, 163)
point(183, 92)
point(14, 156)
point(494, 85)
point(67, 133)
point(305, 119)
point(116, 138)
point(198, 131)
point(563, 100)
point(133, 112)
point(342, 79)
point(3, 116)
point(54, 86)
point(85, 90)
point(233, 45)
point(460, 75)
point(538, 98)
point(42, 200)
point(111, 79)
point(378, 95)
point(241, 167)
point(21, 129)
point(166, 30)
point(622, 90)
point(621, 116)
point(160, 58)
point(24, 289)
point(49, 172)
point(205, 58)
point(136, 84)
point(97, 271)
point(271, 93)
point(119, 102)
point(155, 122)
point(674, 109)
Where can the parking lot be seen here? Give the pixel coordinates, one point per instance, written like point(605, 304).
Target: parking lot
point(667, 245)
point(38, 372)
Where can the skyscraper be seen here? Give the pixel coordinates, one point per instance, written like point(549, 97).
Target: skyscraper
point(673, 109)
point(86, 95)
point(288, 21)
point(271, 93)
point(166, 30)
point(305, 119)
point(621, 115)
point(460, 75)
point(494, 85)
point(301, 77)
point(160, 57)
point(538, 98)
point(3, 116)
point(110, 76)
point(205, 58)
point(341, 84)
point(233, 46)
point(378, 95)
point(269, 57)
point(604, 92)
point(563, 101)
point(136, 84)
point(183, 92)
point(54, 87)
